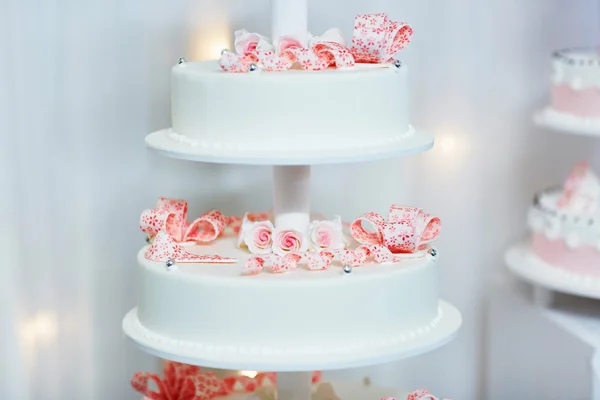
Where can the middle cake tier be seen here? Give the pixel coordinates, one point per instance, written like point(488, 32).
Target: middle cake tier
point(304, 312)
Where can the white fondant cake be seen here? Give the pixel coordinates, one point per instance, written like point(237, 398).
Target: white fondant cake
point(325, 111)
point(214, 305)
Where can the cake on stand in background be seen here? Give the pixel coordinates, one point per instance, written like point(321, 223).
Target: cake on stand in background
point(289, 291)
point(575, 99)
point(563, 253)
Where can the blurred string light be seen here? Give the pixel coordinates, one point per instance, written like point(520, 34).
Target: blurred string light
point(37, 331)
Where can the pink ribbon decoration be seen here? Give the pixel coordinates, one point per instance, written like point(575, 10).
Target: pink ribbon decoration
point(419, 394)
point(407, 229)
point(165, 248)
point(246, 384)
point(171, 215)
point(581, 191)
point(376, 39)
point(319, 261)
point(252, 48)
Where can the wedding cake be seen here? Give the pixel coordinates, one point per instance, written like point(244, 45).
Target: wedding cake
point(565, 223)
point(575, 99)
point(287, 289)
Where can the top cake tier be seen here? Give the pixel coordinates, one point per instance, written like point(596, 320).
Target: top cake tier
point(289, 103)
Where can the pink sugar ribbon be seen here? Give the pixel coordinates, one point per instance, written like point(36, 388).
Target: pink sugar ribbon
point(165, 248)
point(581, 191)
point(319, 261)
point(167, 225)
point(318, 56)
point(376, 39)
point(407, 230)
point(171, 215)
point(419, 394)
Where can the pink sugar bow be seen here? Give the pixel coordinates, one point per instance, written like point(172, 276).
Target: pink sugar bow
point(419, 394)
point(581, 191)
point(171, 215)
point(179, 381)
point(407, 229)
point(164, 248)
point(376, 39)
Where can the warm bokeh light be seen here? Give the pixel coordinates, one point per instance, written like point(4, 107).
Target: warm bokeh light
point(249, 374)
point(209, 41)
point(446, 143)
point(42, 328)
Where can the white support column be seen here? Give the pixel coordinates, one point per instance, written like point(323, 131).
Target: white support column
point(289, 18)
point(294, 385)
point(291, 197)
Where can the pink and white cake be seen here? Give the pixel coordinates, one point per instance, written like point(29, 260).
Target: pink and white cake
point(566, 223)
point(575, 90)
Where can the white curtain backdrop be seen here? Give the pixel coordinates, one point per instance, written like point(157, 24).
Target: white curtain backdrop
point(82, 83)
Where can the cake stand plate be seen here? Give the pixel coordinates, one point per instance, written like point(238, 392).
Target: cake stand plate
point(402, 345)
point(415, 142)
point(565, 123)
point(525, 264)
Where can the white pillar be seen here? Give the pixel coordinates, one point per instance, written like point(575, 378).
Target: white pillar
point(294, 385)
point(289, 18)
point(291, 197)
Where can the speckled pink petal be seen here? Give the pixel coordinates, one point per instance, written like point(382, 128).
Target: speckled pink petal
point(376, 39)
point(164, 248)
point(253, 266)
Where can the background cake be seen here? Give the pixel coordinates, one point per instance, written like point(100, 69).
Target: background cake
point(565, 223)
point(575, 99)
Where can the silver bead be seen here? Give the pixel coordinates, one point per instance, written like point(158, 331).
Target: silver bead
point(148, 239)
point(170, 264)
point(397, 63)
point(432, 253)
point(347, 269)
point(224, 51)
point(253, 67)
point(181, 60)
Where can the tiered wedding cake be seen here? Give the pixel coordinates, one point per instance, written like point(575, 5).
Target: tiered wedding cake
point(288, 290)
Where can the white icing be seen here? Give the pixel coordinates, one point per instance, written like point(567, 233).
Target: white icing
point(568, 122)
point(559, 223)
point(580, 69)
point(327, 110)
point(301, 312)
point(250, 146)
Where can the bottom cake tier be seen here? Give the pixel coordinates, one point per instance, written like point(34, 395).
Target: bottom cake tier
point(210, 313)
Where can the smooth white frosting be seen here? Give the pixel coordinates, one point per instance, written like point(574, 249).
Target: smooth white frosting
point(335, 109)
point(302, 312)
point(580, 69)
point(567, 122)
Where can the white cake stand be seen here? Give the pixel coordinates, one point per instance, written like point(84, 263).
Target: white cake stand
point(552, 119)
point(291, 208)
point(548, 279)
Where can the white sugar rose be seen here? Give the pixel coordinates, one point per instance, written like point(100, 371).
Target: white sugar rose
point(288, 241)
point(327, 234)
point(257, 236)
